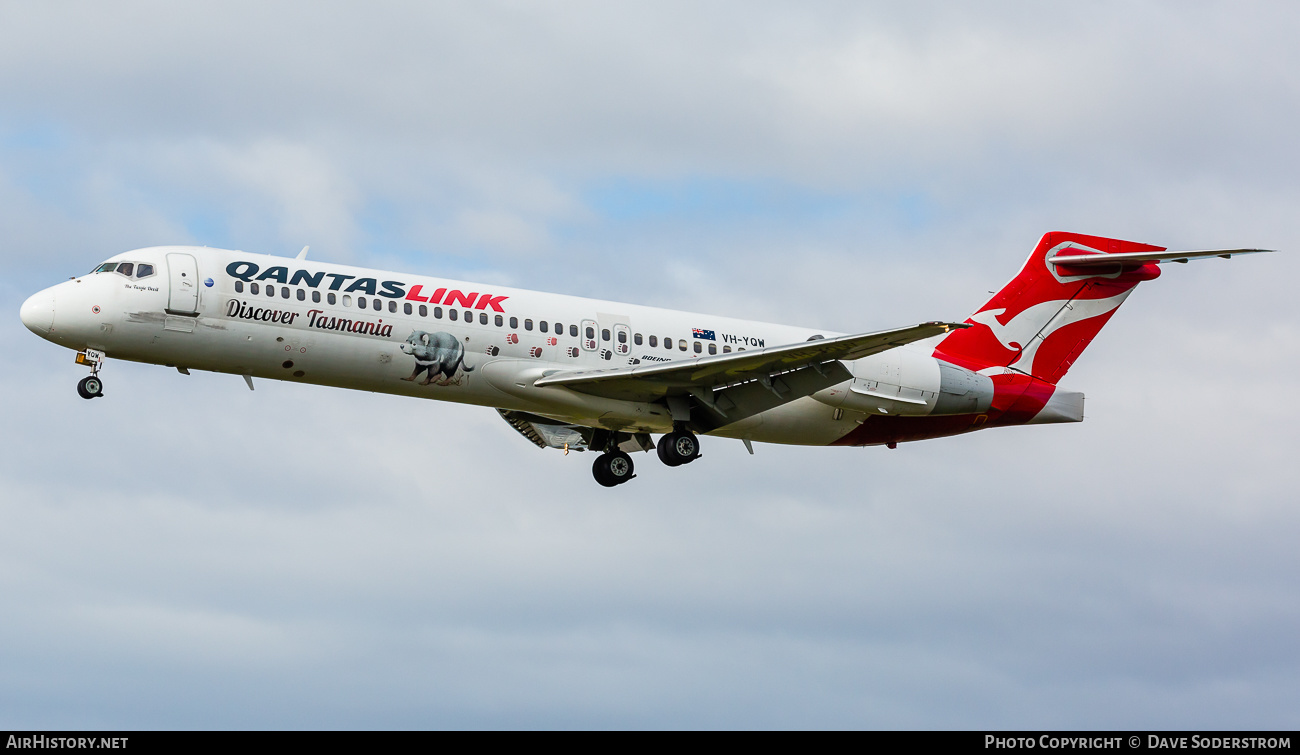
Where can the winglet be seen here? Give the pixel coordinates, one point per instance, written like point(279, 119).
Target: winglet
point(303, 254)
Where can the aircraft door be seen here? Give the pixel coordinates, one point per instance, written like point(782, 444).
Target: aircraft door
point(622, 339)
point(183, 277)
point(589, 336)
point(614, 334)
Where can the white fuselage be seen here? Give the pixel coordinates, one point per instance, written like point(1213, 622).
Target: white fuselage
point(313, 322)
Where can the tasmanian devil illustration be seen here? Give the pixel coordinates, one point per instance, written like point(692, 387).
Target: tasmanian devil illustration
point(435, 354)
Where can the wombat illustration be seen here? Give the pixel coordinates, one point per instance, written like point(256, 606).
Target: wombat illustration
point(435, 354)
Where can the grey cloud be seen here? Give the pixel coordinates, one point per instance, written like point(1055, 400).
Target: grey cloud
point(187, 553)
point(733, 87)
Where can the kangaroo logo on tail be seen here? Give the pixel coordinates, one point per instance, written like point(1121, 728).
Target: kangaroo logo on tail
point(1034, 325)
point(1042, 320)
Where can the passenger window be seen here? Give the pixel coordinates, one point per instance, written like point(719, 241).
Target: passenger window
point(482, 318)
point(726, 349)
point(698, 348)
point(315, 297)
point(424, 310)
point(469, 316)
point(514, 323)
point(591, 333)
point(654, 340)
point(347, 300)
point(573, 331)
point(622, 336)
point(126, 268)
point(270, 290)
point(544, 326)
point(253, 289)
point(559, 329)
point(379, 305)
point(392, 307)
point(284, 292)
point(528, 324)
point(451, 314)
point(668, 343)
point(500, 321)
point(330, 298)
point(406, 308)
point(604, 334)
point(713, 348)
point(437, 313)
point(239, 287)
point(682, 344)
point(144, 271)
point(361, 302)
point(302, 295)
point(636, 339)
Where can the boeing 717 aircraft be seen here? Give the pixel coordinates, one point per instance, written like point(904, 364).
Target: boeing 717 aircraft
point(576, 374)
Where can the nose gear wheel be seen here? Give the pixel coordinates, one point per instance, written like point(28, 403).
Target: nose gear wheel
point(90, 387)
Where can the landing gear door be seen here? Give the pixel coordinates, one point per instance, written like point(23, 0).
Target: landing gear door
point(183, 277)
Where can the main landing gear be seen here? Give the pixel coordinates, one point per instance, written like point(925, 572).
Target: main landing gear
point(614, 467)
point(92, 386)
point(678, 447)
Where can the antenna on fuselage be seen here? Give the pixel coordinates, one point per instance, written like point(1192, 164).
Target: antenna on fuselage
point(303, 254)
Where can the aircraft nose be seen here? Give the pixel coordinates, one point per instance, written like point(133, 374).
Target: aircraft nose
point(38, 312)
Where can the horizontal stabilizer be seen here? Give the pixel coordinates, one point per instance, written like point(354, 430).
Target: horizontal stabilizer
point(1135, 258)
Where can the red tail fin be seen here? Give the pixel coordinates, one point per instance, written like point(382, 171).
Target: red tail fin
point(1041, 321)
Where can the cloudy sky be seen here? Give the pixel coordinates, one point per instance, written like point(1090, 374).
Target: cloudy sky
point(185, 553)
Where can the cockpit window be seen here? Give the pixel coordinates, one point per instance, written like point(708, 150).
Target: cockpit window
point(129, 269)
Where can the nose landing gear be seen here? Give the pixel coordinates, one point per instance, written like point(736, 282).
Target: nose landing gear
point(92, 386)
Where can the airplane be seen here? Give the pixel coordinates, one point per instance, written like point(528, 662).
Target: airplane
point(575, 374)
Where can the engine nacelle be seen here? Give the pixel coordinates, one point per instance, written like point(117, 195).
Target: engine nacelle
point(962, 391)
point(901, 382)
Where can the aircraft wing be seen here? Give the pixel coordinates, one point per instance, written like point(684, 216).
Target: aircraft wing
point(694, 376)
point(1094, 260)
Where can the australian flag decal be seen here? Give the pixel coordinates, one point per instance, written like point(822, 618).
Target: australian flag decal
point(703, 335)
